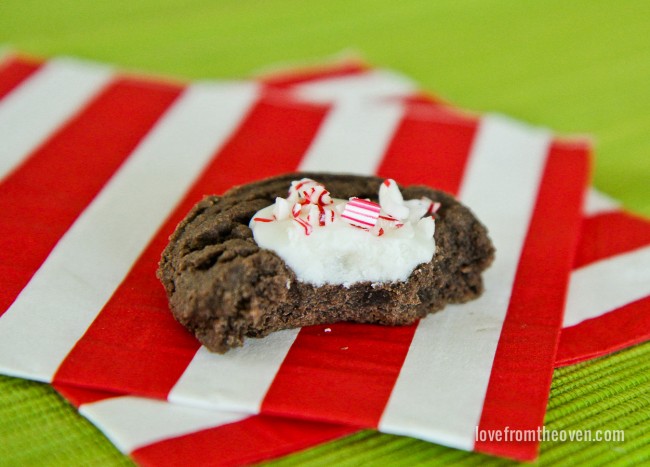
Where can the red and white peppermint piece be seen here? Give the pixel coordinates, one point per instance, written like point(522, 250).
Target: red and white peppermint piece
point(306, 226)
point(316, 216)
point(330, 216)
point(296, 187)
point(296, 210)
point(320, 216)
point(361, 213)
point(390, 221)
point(391, 200)
point(421, 207)
point(433, 208)
point(310, 191)
point(281, 209)
point(317, 194)
point(426, 227)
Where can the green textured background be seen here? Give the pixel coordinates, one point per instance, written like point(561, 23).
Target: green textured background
point(578, 67)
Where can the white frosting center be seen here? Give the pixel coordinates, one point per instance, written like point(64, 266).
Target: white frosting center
point(321, 247)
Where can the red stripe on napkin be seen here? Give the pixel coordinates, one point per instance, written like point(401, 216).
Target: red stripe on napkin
point(284, 79)
point(519, 387)
point(345, 374)
point(607, 333)
point(43, 197)
point(430, 152)
point(271, 141)
point(254, 439)
point(609, 234)
point(13, 71)
point(78, 396)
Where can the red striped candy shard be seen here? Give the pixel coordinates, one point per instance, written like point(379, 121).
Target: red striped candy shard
point(361, 213)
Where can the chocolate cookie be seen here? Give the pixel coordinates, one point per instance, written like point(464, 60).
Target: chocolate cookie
point(223, 287)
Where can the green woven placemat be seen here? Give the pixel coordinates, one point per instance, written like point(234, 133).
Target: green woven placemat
point(40, 428)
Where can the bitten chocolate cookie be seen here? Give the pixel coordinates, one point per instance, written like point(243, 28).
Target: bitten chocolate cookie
point(357, 256)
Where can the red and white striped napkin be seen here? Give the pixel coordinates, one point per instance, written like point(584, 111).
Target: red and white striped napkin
point(159, 433)
point(96, 220)
point(608, 303)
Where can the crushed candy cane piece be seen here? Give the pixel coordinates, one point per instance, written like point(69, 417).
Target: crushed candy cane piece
point(314, 216)
point(282, 209)
point(309, 191)
point(392, 201)
point(317, 195)
point(426, 227)
point(420, 207)
point(390, 221)
point(306, 226)
point(361, 213)
point(330, 216)
point(296, 210)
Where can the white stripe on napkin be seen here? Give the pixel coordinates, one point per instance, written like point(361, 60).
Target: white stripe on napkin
point(65, 295)
point(375, 84)
point(134, 422)
point(441, 388)
point(353, 137)
point(606, 285)
point(248, 372)
point(243, 374)
point(599, 203)
point(43, 103)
